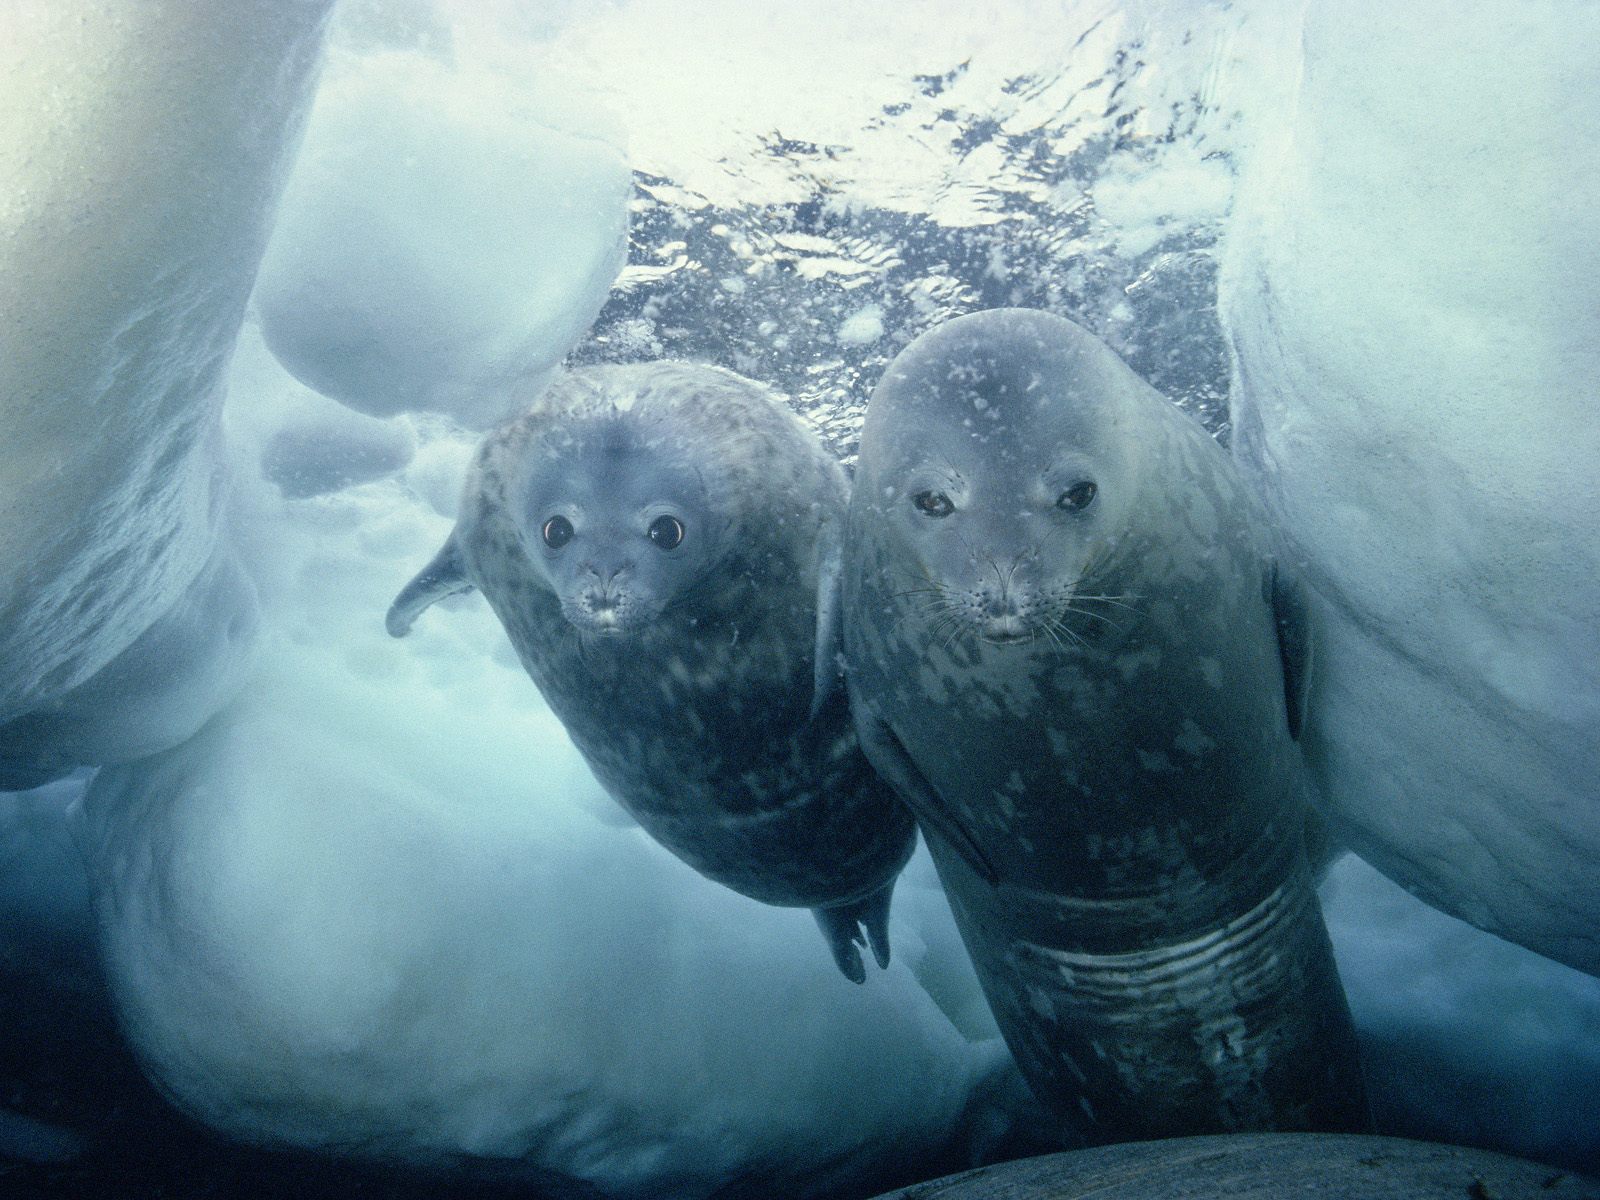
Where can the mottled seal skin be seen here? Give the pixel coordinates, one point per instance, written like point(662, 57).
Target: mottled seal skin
point(652, 538)
point(1070, 648)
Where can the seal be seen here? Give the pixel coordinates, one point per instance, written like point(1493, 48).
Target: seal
point(1071, 649)
point(653, 539)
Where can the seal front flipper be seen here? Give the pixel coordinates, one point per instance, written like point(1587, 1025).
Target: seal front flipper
point(445, 576)
point(1291, 615)
point(889, 758)
point(828, 652)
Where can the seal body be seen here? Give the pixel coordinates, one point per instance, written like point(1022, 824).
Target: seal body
point(652, 538)
point(1070, 648)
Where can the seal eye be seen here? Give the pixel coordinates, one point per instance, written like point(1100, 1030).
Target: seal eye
point(557, 532)
point(933, 504)
point(666, 532)
point(1078, 496)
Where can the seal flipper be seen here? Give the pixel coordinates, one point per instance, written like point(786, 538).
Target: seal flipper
point(873, 913)
point(828, 652)
point(839, 926)
point(1291, 616)
point(445, 576)
point(856, 923)
point(889, 758)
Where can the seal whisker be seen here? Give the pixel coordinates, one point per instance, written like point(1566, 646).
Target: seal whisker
point(934, 616)
point(1117, 600)
point(1011, 573)
point(954, 622)
point(1060, 626)
point(951, 640)
point(1084, 612)
point(943, 602)
point(941, 598)
point(1051, 634)
point(1039, 550)
point(971, 553)
point(938, 615)
point(1097, 557)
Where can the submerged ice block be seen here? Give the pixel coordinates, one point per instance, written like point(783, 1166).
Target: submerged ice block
point(367, 917)
point(448, 234)
point(1412, 288)
point(142, 149)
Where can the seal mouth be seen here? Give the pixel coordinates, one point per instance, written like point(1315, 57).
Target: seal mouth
point(603, 622)
point(602, 617)
point(1007, 630)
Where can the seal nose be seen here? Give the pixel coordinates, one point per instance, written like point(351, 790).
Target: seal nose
point(1001, 611)
point(602, 597)
point(605, 576)
point(998, 605)
point(1000, 601)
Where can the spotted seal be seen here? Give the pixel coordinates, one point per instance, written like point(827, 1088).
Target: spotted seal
point(650, 536)
point(1070, 648)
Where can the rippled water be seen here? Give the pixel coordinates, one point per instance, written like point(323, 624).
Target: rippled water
point(808, 259)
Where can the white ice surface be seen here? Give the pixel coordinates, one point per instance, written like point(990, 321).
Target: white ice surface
point(448, 233)
point(141, 158)
point(1467, 1036)
point(1412, 289)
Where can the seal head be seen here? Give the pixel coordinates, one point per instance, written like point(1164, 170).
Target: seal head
point(1003, 528)
point(621, 531)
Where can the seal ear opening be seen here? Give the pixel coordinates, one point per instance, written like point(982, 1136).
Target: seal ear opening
point(445, 576)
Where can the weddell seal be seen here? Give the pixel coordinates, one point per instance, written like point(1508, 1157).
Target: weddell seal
point(651, 538)
point(1069, 647)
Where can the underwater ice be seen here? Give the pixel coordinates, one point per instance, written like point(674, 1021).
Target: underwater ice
point(1411, 284)
point(384, 871)
point(442, 952)
point(489, 220)
point(123, 276)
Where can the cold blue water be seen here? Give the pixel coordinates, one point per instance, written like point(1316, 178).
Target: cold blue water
point(1084, 166)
